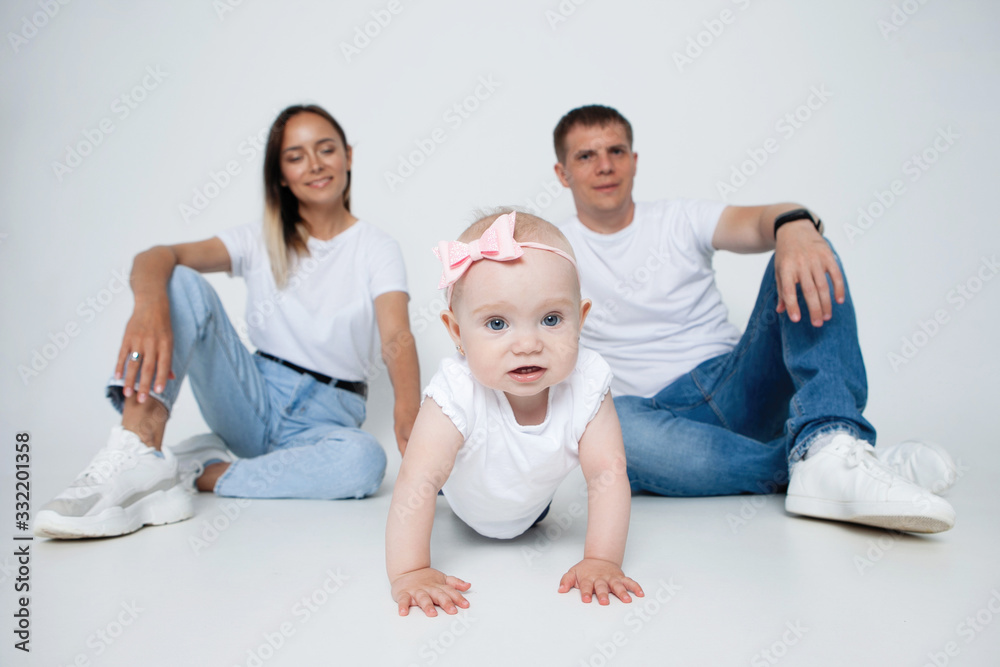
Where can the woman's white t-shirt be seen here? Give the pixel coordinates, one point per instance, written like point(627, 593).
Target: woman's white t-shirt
point(324, 318)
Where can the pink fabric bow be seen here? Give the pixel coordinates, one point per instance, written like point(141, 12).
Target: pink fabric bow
point(496, 243)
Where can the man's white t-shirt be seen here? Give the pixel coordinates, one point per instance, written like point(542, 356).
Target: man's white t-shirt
point(324, 318)
point(506, 474)
point(657, 312)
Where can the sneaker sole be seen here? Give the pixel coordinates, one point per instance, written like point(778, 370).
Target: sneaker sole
point(158, 508)
point(891, 516)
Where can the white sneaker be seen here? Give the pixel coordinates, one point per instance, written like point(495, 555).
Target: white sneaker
point(922, 463)
point(125, 487)
point(192, 455)
point(844, 481)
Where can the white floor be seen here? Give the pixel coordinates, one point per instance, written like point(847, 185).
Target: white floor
point(729, 581)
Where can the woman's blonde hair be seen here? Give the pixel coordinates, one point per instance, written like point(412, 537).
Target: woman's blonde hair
point(285, 235)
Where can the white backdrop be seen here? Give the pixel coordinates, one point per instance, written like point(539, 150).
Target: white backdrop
point(116, 116)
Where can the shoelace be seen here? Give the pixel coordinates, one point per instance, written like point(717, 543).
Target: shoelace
point(863, 454)
point(105, 465)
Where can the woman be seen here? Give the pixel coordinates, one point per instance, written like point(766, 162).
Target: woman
point(319, 280)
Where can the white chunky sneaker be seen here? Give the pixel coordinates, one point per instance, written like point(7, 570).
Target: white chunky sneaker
point(844, 481)
point(192, 455)
point(922, 463)
point(125, 487)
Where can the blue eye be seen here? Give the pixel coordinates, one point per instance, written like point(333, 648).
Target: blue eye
point(551, 320)
point(496, 324)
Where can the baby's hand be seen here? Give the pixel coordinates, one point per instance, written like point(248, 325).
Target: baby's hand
point(426, 587)
point(599, 577)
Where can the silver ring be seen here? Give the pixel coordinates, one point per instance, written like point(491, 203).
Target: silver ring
point(135, 356)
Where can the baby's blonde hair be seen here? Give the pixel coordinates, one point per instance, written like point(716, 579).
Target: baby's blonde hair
point(527, 227)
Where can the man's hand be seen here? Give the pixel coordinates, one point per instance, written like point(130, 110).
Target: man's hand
point(599, 577)
point(803, 257)
point(426, 588)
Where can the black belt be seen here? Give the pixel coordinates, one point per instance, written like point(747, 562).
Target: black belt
point(359, 388)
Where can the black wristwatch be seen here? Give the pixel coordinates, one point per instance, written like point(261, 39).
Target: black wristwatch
point(792, 216)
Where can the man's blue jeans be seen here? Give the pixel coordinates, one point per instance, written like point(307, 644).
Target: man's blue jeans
point(296, 437)
point(735, 423)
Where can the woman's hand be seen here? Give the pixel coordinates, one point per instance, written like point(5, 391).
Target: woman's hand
point(149, 333)
point(404, 414)
point(399, 352)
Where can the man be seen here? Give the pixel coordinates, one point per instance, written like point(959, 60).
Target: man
point(704, 409)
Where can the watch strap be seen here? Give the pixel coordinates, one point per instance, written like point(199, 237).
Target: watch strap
point(792, 216)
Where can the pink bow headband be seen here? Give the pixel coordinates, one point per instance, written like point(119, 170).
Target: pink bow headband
point(496, 243)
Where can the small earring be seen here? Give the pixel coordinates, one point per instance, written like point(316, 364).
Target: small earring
point(460, 350)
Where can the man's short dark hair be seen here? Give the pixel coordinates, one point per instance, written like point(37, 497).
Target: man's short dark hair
point(593, 115)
